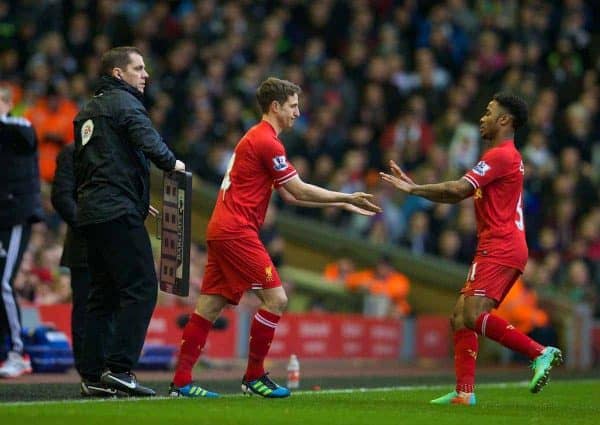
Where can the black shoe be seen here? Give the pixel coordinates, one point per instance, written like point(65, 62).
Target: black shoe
point(96, 389)
point(126, 382)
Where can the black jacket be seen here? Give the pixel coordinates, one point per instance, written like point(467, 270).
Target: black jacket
point(20, 200)
point(63, 200)
point(114, 141)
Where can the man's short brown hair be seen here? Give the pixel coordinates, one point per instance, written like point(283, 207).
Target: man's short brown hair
point(275, 89)
point(117, 57)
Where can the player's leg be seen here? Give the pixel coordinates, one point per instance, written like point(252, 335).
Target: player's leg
point(465, 356)
point(478, 317)
point(213, 298)
point(501, 331)
point(493, 284)
point(262, 331)
point(193, 340)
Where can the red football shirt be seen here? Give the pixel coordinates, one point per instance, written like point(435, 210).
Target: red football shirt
point(498, 182)
point(257, 165)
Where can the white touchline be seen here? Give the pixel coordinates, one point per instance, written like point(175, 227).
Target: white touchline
point(302, 393)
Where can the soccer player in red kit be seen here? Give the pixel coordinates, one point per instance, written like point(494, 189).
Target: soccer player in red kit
point(496, 185)
point(237, 260)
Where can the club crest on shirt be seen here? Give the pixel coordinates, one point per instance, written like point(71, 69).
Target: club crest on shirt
point(269, 273)
point(481, 168)
point(280, 163)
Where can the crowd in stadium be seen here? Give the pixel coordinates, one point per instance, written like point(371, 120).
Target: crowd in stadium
point(381, 79)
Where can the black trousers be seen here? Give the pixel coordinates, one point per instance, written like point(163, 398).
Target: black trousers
point(123, 290)
point(80, 289)
point(13, 243)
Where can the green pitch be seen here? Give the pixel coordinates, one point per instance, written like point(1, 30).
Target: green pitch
point(562, 402)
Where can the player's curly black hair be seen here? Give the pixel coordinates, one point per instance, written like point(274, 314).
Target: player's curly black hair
point(515, 106)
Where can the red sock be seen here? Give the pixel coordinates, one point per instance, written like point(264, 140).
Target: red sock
point(465, 356)
point(501, 331)
point(192, 342)
point(261, 334)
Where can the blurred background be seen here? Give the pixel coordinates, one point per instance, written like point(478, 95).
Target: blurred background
point(382, 79)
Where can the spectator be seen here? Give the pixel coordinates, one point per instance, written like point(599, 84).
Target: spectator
point(339, 270)
point(20, 207)
point(419, 239)
point(578, 286)
point(385, 281)
point(52, 117)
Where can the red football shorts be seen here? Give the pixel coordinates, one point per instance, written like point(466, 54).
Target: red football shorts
point(489, 280)
point(235, 266)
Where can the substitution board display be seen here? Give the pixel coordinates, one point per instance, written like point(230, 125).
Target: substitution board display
point(175, 233)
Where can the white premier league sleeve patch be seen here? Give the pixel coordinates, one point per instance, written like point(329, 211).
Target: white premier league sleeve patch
point(279, 163)
point(87, 129)
point(481, 168)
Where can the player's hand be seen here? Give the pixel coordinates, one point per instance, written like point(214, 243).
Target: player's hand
point(153, 211)
point(357, 210)
point(179, 166)
point(398, 178)
point(364, 201)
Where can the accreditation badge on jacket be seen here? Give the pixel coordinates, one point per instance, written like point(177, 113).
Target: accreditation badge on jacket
point(87, 130)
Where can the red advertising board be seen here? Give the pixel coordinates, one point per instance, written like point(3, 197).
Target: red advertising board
point(432, 337)
point(163, 328)
point(596, 343)
point(309, 335)
point(336, 336)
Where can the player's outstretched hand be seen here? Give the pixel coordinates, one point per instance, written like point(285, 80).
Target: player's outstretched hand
point(398, 178)
point(364, 201)
point(357, 210)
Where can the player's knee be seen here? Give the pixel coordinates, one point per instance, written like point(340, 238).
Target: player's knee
point(470, 318)
point(277, 304)
point(209, 307)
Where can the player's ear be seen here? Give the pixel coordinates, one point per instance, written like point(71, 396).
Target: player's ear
point(275, 106)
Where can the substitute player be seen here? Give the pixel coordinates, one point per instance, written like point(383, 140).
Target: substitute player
point(496, 184)
point(237, 260)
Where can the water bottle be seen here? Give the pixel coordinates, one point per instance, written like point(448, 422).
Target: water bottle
point(293, 373)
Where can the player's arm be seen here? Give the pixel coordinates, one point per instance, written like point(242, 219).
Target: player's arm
point(297, 192)
point(449, 192)
point(290, 199)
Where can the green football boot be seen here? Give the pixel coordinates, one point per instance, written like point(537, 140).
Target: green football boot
point(467, 399)
point(542, 365)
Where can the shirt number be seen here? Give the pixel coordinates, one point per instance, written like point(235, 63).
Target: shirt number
point(226, 183)
point(519, 221)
